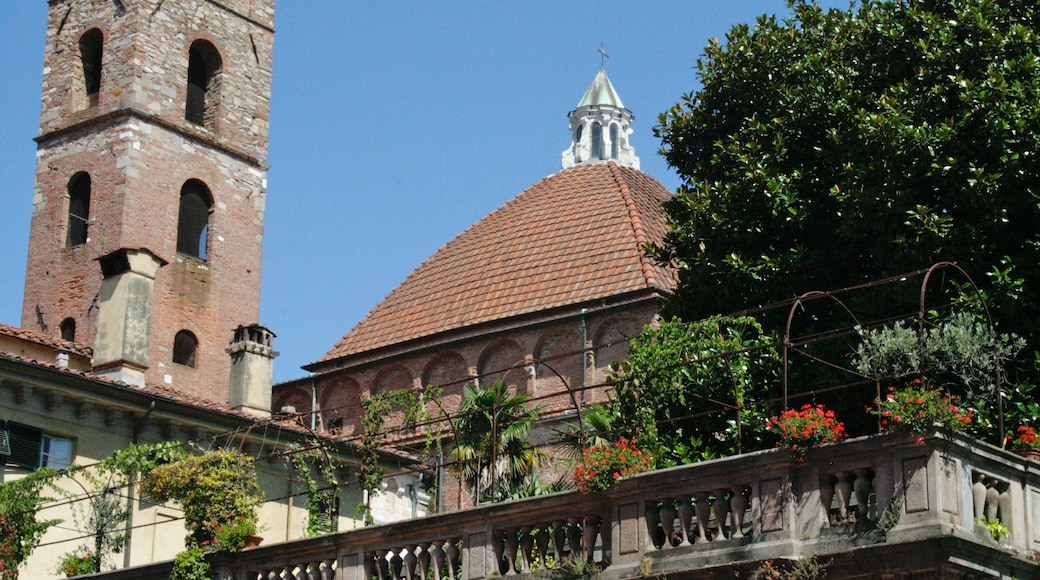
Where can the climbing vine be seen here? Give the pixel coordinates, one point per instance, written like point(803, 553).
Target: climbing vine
point(312, 462)
point(375, 410)
point(20, 531)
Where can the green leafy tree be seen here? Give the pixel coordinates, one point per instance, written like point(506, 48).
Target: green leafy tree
point(218, 492)
point(492, 454)
point(685, 385)
point(840, 146)
point(961, 355)
point(20, 531)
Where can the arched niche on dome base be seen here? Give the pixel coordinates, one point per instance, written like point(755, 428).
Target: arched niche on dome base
point(503, 359)
point(559, 353)
point(390, 378)
point(611, 343)
point(339, 403)
point(448, 371)
point(394, 377)
point(295, 401)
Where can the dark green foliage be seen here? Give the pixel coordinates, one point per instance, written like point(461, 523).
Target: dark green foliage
point(838, 147)
point(218, 491)
point(20, 531)
point(680, 391)
point(492, 455)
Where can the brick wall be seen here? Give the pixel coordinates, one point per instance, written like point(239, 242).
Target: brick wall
point(139, 151)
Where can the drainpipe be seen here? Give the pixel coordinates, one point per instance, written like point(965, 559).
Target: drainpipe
point(584, 357)
point(314, 406)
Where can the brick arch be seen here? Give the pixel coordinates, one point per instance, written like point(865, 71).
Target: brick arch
point(298, 397)
point(503, 360)
point(560, 348)
point(392, 377)
point(610, 342)
point(340, 404)
point(447, 370)
point(204, 77)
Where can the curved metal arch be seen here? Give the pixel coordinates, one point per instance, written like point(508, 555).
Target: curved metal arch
point(989, 320)
point(808, 296)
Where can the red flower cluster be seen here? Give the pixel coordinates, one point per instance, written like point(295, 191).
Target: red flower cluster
point(917, 408)
point(1026, 439)
point(809, 427)
point(603, 465)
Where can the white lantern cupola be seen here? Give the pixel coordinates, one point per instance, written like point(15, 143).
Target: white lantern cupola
point(600, 128)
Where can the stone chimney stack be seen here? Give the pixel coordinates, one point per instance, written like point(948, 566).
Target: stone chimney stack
point(252, 369)
point(125, 314)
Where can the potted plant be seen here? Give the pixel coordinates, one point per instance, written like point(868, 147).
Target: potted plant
point(220, 496)
point(603, 465)
point(77, 563)
point(1025, 443)
point(916, 408)
point(810, 426)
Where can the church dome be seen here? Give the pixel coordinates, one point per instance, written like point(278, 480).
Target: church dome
point(574, 237)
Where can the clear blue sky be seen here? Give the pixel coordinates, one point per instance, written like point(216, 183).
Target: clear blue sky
point(394, 126)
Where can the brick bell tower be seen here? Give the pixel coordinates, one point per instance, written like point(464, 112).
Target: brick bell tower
point(153, 137)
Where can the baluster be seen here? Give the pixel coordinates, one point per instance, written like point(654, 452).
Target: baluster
point(685, 519)
point(526, 547)
point(498, 546)
point(826, 495)
point(862, 487)
point(328, 572)
point(721, 507)
point(382, 567)
point(541, 541)
point(453, 554)
point(1005, 506)
point(511, 544)
point(589, 532)
point(992, 500)
point(423, 563)
point(437, 555)
point(653, 518)
point(559, 536)
point(574, 536)
point(410, 560)
point(738, 505)
point(396, 563)
point(703, 511)
point(314, 571)
point(978, 495)
point(668, 521)
point(843, 491)
point(370, 566)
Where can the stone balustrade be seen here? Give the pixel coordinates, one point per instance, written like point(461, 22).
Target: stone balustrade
point(880, 495)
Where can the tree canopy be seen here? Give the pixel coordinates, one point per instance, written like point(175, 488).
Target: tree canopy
point(841, 146)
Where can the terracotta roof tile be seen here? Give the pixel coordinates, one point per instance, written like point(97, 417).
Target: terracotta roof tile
point(21, 333)
point(575, 236)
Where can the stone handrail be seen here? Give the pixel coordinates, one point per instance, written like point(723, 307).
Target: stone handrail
point(875, 490)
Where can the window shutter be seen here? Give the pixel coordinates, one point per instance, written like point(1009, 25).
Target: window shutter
point(25, 446)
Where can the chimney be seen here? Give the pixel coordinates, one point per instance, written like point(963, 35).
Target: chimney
point(125, 314)
point(252, 367)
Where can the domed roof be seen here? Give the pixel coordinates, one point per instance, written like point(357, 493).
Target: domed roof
point(573, 237)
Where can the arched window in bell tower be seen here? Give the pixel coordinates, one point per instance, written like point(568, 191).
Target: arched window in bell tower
point(193, 219)
point(597, 141)
point(90, 45)
point(613, 141)
point(68, 329)
point(204, 67)
point(185, 348)
point(79, 210)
